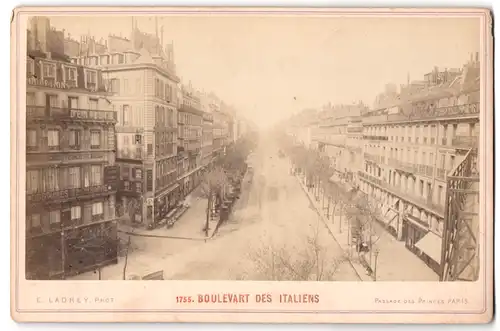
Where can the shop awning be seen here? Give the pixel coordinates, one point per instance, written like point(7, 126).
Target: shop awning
point(431, 244)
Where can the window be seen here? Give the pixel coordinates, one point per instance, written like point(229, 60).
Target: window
point(126, 87)
point(97, 209)
point(95, 175)
point(424, 155)
point(53, 139)
point(74, 177)
point(95, 139)
point(32, 181)
point(74, 139)
point(150, 149)
point(49, 71)
point(126, 184)
point(126, 115)
point(91, 79)
point(431, 159)
point(76, 213)
point(93, 104)
point(50, 180)
point(421, 187)
point(73, 102)
point(138, 187)
point(53, 100)
point(35, 221)
point(121, 59)
point(54, 218)
point(442, 158)
point(70, 75)
point(31, 139)
point(115, 85)
point(30, 99)
point(138, 173)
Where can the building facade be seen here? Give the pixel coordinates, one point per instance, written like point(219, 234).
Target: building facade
point(410, 149)
point(190, 136)
point(71, 176)
point(140, 73)
point(207, 132)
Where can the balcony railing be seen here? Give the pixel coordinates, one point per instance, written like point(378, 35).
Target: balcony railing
point(458, 110)
point(67, 113)
point(383, 138)
point(67, 194)
point(396, 190)
point(465, 142)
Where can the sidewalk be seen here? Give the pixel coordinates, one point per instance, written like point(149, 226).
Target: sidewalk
point(394, 261)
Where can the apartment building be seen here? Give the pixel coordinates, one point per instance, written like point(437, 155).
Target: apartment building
point(190, 129)
point(338, 134)
point(141, 74)
point(71, 176)
point(409, 150)
point(207, 132)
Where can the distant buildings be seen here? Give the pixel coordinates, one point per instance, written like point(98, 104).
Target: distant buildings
point(405, 153)
point(71, 176)
point(190, 122)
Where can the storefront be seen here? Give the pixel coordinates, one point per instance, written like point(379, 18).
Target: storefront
point(422, 242)
point(430, 246)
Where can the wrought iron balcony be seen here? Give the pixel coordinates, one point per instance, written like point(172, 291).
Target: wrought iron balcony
point(426, 203)
point(43, 112)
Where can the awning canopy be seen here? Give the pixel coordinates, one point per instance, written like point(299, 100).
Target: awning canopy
point(431, 244)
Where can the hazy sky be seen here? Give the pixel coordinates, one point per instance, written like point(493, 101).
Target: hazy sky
point(270, 67)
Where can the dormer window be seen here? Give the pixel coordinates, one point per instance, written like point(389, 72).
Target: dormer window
point(49, 71)
point(70, 75)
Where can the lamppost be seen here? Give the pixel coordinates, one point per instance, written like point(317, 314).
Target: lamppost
point(375, 267)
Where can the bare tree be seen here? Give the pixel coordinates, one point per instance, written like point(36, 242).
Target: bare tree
point(362, 214)
point(212, 188)
point(125, 244)
point(309, 262)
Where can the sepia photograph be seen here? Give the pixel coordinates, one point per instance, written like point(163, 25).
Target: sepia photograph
point(245, 147)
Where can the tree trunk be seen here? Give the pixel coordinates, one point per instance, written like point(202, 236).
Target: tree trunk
point(328, 208)
point(323, 206)
point(126, 260)
point(209, 206)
